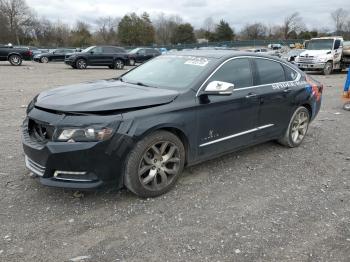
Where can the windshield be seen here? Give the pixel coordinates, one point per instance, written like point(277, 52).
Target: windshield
point(320, 44)
point(86, 50)
point(174, 72)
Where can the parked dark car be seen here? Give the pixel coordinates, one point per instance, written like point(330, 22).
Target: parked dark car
point(111, 56)
point(54, 56)
point(141, 55)
point(14, 55)
point(141, 129)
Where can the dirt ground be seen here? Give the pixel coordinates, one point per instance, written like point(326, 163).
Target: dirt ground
point(265, 203)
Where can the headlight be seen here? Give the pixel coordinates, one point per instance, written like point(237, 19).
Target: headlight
point(85, 134)
point(322, 59)
point(31, 104)
point(296, 59)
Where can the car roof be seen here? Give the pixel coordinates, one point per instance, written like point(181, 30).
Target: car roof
point(220, 54)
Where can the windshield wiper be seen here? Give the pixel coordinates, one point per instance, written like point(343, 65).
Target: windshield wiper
point(141, 84)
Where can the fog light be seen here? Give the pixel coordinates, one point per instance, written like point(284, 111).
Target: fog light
point(73, 176)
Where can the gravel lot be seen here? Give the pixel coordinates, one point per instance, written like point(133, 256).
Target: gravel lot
point(266, 203)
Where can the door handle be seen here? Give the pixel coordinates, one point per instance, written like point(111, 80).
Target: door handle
point(251, 95)
point(287, 90)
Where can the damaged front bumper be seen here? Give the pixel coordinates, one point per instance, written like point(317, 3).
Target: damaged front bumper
point(78, 165)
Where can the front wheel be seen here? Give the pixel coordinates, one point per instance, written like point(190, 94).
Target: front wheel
point(132, 62)
point(328, 68)
point(297, 128)
point(155, 164)
point(15, 60)
point(81, 64)
point(44, 59)
point(346, 106)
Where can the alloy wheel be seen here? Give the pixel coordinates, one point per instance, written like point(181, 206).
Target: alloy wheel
point(15, 60)
point(81, 64)
point(299, 127)
point(119, 64)
point(44, 59)
point(159, 165)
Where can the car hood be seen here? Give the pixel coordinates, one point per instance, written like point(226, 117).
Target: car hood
point(314, 52)
point(103, 95)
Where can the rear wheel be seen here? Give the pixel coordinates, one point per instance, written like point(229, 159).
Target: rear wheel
point(81, 64)
point(155, 164)
point(119, 64)
point(44, 59)
point(15, 60)
point(297, 128)
point(328, 68)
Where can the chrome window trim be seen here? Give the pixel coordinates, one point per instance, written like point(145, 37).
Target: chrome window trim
point(249, 87)
point(236, 135)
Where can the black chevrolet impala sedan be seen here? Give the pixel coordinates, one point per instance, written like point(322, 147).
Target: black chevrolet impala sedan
point(140, 130)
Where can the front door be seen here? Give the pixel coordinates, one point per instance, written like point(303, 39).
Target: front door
point(228, 122)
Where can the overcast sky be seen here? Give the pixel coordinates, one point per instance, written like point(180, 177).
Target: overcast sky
point(315, 13)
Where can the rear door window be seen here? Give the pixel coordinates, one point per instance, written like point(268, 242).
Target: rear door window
point(269, 71)
point(236, 71)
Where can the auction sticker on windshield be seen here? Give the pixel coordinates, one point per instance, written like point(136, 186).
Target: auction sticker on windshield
point(197, 61)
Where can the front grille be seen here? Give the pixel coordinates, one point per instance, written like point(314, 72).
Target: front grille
point(40, 132)
point(34, 167)
point(306, 59)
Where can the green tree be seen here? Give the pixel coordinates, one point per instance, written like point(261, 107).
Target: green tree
point(224, 32)
point(135, 30)
point(183, 34)
point(81, 35)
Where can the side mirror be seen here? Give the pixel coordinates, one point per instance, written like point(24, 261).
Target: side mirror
point(92, 52)
point(219, 88)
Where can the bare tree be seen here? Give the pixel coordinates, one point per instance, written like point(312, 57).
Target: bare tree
point(339, 17)
point(254, 31)
point(18, 15)
point(106, 30)
point(292, 23)
point(209, 25)
point(165, 27)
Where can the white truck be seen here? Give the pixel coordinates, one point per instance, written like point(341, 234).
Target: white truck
point(325, 54)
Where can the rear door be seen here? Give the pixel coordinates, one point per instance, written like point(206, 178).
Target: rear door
point(274, 82)
point(228, 122)
point(108, 55)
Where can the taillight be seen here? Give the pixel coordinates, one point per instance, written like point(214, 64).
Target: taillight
point(316, 88)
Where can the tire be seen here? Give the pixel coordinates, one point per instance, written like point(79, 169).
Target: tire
point(154, 165)
point(297, 128)
point(346, 106)
point(132, 62)
point(328, 68)
point(111, 67)
point(44, 59)
point(81, 64)
point(15, 60)
point(73, 66)
point(119, 64)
